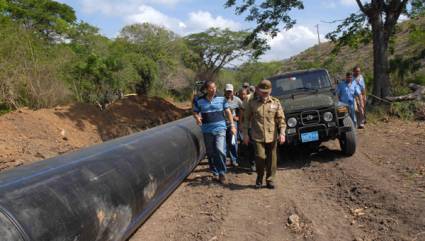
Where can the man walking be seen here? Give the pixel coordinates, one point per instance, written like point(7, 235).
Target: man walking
point(209, 111)
point(361, 113)
point(347, 91)
point(246, 150)
point(264, 114)
point(235, 104)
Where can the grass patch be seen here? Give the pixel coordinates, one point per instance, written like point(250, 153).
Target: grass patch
point(4, 109)
point(377, 113)
point(407, 110)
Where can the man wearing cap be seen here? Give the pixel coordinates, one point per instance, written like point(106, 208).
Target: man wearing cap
point(264, 114)
point(235, 104)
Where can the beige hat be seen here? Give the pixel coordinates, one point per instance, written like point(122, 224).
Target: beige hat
point(229, 87)
point(265, 86)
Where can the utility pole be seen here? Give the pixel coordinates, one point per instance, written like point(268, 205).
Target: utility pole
point(318, 39)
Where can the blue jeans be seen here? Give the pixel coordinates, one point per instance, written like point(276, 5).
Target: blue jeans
point(232, 150)
point(353, 114)
point(215, 144)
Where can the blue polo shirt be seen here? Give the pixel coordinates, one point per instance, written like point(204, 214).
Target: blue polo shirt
point(347, 92)
point(212, 113)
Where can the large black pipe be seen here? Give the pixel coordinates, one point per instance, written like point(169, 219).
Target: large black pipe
point(100, 193)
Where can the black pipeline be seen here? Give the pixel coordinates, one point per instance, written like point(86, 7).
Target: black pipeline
point(100, 193)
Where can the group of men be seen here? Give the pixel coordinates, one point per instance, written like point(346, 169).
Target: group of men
point(257, 115)
point(352, 91)
point(257, 119)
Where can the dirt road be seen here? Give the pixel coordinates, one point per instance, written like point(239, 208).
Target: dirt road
point(377, 194)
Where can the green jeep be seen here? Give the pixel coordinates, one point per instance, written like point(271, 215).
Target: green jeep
point(313, 112)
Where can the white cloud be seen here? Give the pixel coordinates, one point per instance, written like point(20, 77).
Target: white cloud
point(120, 7)
point(196, 21)
point(291, 42)
point(348, 2)
point(150, 15)
point(108, 7)
point(202, 20)
point(403, 18)
point(328, 4)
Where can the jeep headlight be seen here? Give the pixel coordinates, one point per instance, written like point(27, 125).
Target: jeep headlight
point(328, 116)
point(292, 122)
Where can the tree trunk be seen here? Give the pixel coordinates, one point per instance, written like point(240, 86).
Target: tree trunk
point(381, 78)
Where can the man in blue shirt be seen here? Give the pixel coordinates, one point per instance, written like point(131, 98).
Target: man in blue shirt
point(209, 111)
point(347, 91)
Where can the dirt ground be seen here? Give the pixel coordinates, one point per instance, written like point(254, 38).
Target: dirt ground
point(377, 194)
point(27, 135)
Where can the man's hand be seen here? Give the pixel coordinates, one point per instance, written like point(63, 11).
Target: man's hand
point(282, 139)
point(245, 139)
point(235, 118)
point(198, 120)
point(233, 130)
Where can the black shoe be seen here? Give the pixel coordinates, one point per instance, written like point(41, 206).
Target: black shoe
point(258, 183)
point(270, 185)
point(222, 179)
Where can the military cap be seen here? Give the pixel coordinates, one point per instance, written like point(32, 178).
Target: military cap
point(265, 86)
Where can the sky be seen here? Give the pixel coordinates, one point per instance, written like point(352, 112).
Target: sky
point(190, 16)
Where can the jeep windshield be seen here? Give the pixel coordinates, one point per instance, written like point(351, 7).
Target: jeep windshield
point(300, 81)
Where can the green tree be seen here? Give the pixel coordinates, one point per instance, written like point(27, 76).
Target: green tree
point(49, 18)
point(270, 16)
point(376, 21)
point(215, 48)
point(157, 53)
point(254, 72)
point(31, 70)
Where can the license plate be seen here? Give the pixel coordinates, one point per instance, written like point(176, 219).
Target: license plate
point(309, 136)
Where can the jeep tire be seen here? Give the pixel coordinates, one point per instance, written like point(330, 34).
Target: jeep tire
point(347, 140)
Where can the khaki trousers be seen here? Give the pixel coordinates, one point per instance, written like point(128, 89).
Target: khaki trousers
point(266, 159)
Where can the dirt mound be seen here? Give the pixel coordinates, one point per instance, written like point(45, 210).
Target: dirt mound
point(29, 135)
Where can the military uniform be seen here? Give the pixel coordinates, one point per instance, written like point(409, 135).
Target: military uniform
point(266, 120)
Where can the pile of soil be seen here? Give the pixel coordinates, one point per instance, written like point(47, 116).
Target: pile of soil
point(31, 135)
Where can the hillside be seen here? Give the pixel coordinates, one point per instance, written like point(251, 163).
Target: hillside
point(31, 135)
point(347, 58)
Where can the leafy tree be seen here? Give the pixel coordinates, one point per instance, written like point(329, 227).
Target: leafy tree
point(376, 21)
point(417, 8)
point(407, 65)
point(151, 40)
point(49, 18)
point(254, 72)
point(215, 48)
point(270, 16)
point(30, 70)
point(85, 38)
point(157, 54)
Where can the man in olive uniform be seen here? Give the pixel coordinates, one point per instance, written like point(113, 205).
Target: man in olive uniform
point(264, 114)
